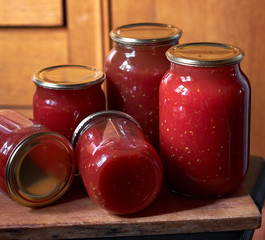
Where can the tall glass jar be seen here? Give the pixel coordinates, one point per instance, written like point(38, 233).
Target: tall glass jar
point(134, 69)
point(37, 166)
point(120, 169)
point(65, 95)
point(204, 119)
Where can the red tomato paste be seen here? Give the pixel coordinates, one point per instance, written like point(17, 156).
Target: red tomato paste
point(120, 169)
point(134, 69)
point(204, 119)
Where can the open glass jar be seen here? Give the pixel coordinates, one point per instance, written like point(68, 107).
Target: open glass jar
point(204, 119)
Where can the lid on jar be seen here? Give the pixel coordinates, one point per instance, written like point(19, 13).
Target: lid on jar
point(40, 169)
point(145, 33)
point(88, 121)
point(205, 54)
point(68, 77)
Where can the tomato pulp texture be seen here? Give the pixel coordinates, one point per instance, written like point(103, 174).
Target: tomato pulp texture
point(133, 75)
point(204, 133)
point(120, 169)
point(62, 110)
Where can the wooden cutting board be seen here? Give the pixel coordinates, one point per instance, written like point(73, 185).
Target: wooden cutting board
point(77, 216)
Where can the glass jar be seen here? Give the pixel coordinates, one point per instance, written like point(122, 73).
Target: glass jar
point(36, 165)
point(120, 169)
point(65, 95)
point(134, 69)
point(204, 119)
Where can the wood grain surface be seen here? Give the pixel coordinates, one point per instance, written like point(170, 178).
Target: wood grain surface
point(77, 216)
point(31, 13)
point(26, 51)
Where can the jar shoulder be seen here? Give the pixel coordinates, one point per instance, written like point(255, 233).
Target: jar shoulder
point(129, 60)
point(206, 80)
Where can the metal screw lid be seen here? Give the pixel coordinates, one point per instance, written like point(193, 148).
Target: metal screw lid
point(145, 33)
point(205, 54)
point(68, 77)
point(88, 121)
point(40, 169)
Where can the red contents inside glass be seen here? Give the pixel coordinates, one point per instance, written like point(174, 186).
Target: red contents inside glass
point(65, 95)
point(204, 119)
point(134, 69)
point(120, 169)
point(36, 165)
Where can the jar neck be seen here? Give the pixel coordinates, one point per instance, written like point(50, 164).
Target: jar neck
point(215, 69)
point(69, 92)
point(147, 47)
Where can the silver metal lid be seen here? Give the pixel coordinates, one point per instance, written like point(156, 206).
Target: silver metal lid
point(145, 33)
point(40, 169)
point(88, 121)
point(68, 77)
point(205, 54)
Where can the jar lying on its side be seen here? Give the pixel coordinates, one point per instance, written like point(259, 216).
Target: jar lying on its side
point(204, 119)
point(120, 169)
point(65, 95)
point(37, 166)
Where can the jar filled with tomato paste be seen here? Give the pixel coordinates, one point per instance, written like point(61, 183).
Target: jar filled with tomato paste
point(65, 95)
point(120, 169)
point(204, 119)
point(36, 165)
point(134, 69)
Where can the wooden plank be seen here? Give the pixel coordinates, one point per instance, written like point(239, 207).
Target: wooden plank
point(85, 32)
point(31, 13)
point(126, 12)
point(238, 22)
point(106, 26)
point(22, 52)
point(76, 216)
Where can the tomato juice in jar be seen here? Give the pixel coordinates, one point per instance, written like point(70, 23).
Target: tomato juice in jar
point(65, 95)
point(134, 69)
point(120, 169)
point(204, 119)
point(36, 165)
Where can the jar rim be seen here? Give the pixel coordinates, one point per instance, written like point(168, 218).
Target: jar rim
point(205, 54)
point(68, 77)
point(87, 122)
point(20, 181)
point(145, 33)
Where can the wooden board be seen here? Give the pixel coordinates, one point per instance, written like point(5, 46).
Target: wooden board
point(76, 216)
point(85, 32)
point(23, 52)
point(31, 13)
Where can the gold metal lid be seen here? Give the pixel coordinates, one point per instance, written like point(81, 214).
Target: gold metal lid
point(145, 33)
point(40, 169)
point(205, 54)
point(68, 77)
point(88, 121)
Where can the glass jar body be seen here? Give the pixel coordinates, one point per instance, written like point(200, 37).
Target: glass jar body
point(62, 110)
point(133, 75)
point(204, 128)
point(120, 169)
